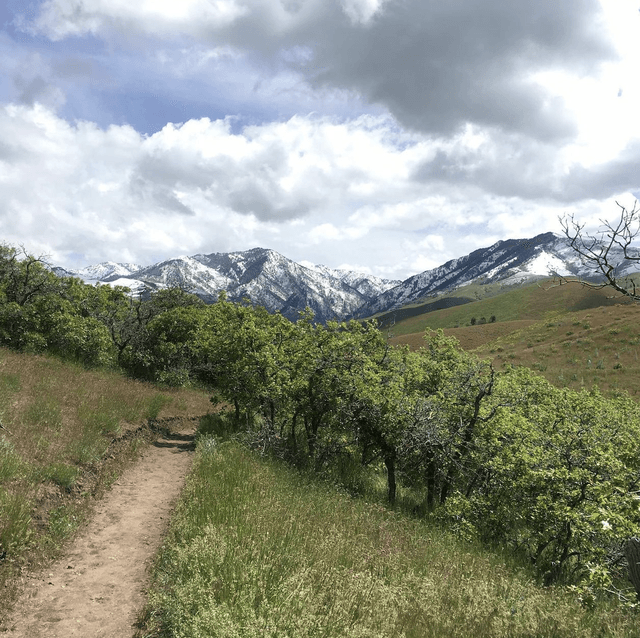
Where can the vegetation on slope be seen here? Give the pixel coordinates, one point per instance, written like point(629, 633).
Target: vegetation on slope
point(515, 303)
point(497, 455)
point(596, 343)
point(260, 550)
point(577, 350)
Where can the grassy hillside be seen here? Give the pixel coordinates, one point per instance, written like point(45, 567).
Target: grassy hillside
point(460, 296)
point(531, 302)
point(574, 336)
point(260, 550)
point(65, 434)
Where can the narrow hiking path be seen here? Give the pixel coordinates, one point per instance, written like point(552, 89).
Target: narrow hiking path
point(97, 588)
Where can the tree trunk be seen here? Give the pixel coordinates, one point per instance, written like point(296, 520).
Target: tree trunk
point(431, 485)
point(272, 415)
point(294, 442)
point(311, 438)
point(390, 462)
point(446, 486)
point(632, 554)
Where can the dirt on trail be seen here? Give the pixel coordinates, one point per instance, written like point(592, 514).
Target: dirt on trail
point(97, 589)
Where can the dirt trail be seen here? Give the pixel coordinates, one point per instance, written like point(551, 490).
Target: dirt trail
point(97, 588)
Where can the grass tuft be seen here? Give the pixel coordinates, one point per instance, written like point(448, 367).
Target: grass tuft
point(15, 521)
point(61, 474)
point(155, 405)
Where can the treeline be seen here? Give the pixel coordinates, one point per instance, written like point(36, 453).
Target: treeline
point(501, 456)
point(97, 326)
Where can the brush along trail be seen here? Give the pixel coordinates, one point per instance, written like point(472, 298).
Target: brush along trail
point(97, 588)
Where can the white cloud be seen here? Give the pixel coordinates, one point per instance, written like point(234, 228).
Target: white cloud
point(324, 232)
point(189, 188)
point(362, 11)
point(435, 67)
point(64, 18)
point(432, 242)
point(396, 134)
point(313, 188)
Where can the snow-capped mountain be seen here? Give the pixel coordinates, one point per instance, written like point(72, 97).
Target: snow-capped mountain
point(267, 278)
point(100, 272)
point(368, 285)
point(264, 276)
point(270, 279)
point(509, 262)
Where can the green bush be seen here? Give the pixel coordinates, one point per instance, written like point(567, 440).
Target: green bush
point(555, 480)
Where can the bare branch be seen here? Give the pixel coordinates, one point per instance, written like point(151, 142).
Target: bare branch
point(608, 250)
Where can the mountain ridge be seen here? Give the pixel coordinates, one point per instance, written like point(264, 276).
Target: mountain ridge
point(265, 277)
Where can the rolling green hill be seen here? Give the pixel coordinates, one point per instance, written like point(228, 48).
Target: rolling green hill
point(575, 336)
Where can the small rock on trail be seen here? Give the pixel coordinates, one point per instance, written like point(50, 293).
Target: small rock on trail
point(97, 588)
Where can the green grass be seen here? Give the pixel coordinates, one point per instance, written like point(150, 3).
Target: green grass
point(485, 299)
point(58, 422)
point(257, 549)
point(507, 303)
point(575, 337)
point(61, 474)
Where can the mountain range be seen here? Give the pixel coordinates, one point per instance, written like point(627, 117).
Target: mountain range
point(263, 276)
point(267, 278)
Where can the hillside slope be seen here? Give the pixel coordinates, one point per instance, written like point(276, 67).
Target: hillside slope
point(574, 336)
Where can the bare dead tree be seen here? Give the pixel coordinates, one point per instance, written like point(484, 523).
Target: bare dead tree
point(607, 250)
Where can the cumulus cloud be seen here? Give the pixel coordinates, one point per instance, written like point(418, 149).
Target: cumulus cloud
point(394, 133)
point(309, 187)
point(189, 188)
point(361, 11)
point(505, 165)
point(436, 66)
point(604, 180)
point(64, 18)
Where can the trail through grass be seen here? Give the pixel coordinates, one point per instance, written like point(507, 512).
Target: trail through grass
point(58, 423)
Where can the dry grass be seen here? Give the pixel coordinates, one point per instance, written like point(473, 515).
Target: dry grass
point(66, 434)
point(578, 349)
point(470, 337)
point(574, 336)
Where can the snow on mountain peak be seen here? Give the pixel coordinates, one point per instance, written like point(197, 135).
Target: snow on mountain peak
point(279, 284)
point(99, 272)
point(545, 264)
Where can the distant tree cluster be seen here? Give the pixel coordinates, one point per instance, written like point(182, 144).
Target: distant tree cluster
point(473, 321)
point(502, 456)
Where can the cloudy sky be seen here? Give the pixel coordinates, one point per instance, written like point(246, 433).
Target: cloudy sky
point(381, 135)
